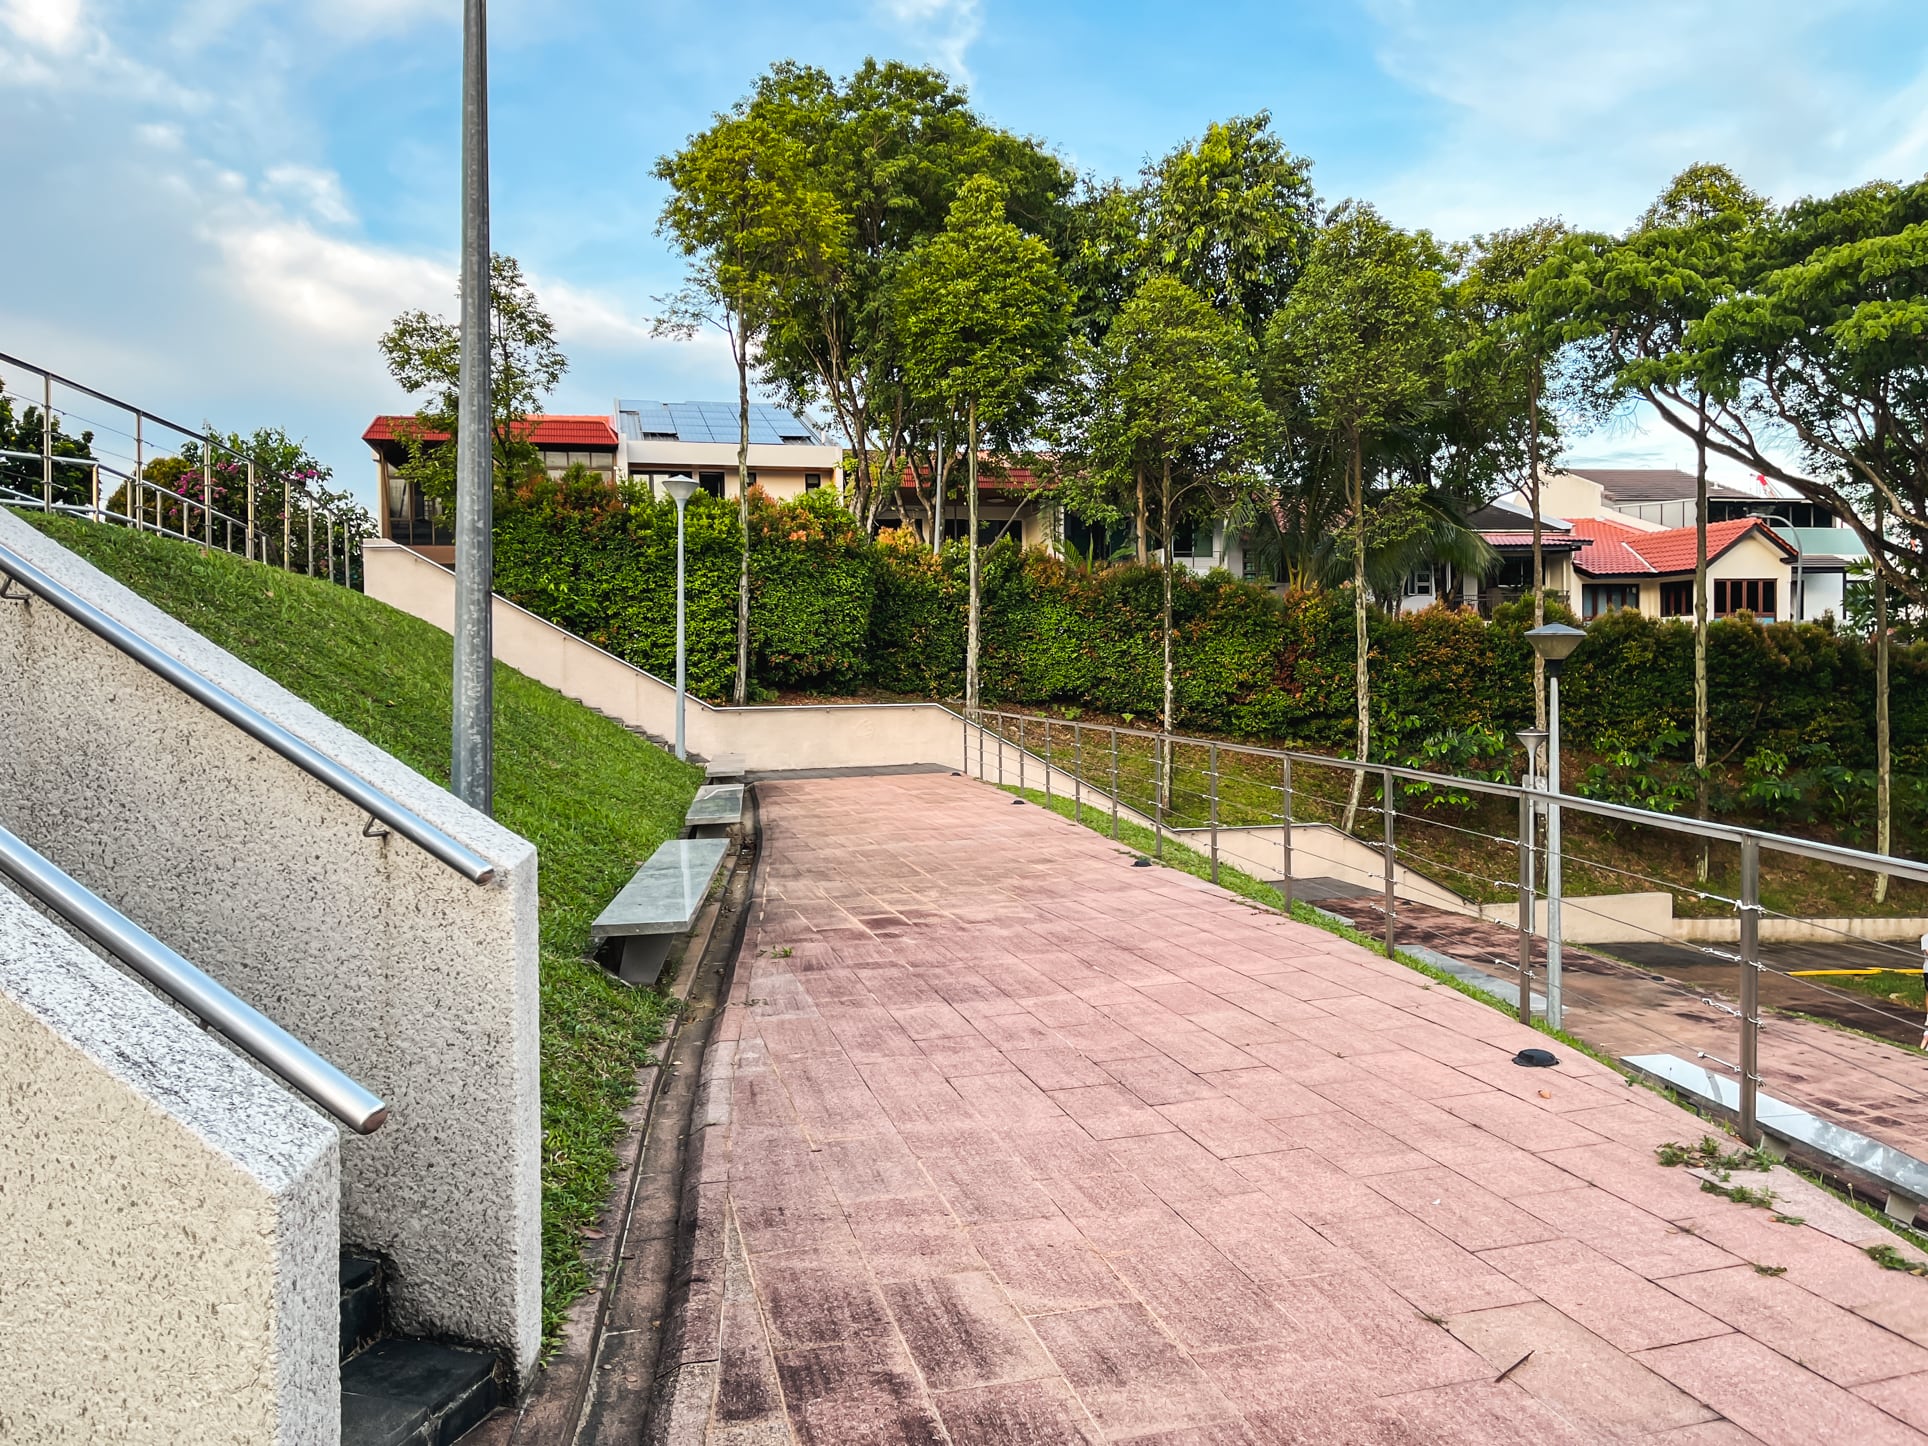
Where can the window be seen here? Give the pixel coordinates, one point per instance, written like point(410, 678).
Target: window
point(1677, 599)
point(958, 529)
point(414, 519)
point(1192, 539)
point(710, 482)
point(1749, 594)
point(812, 481)
point(1420, 583)
point(1604, 597)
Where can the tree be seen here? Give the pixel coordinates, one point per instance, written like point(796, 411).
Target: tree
point(1632, 304)
point(423, 354)
point(1357, 351)
point(1232, 215)
point(1504, 364)
point(981, 315)
point(32, 432)
point(1175, 400)
point(744, 211)
point(892, 145)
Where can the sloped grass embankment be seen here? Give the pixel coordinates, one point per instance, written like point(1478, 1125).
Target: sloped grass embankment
point(593, 798)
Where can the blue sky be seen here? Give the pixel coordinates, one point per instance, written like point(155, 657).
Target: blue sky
point(213, 207)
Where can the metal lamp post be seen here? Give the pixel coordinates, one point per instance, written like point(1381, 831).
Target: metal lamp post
point(1555, 644)
point(1800, 558)
point(680, 489)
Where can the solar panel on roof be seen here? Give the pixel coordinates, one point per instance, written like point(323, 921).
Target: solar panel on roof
point(711, 422)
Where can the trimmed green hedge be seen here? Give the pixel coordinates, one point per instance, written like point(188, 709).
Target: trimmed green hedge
point(833, 611)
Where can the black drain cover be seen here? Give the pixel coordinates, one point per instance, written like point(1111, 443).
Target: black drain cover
point(1536, 1058)
point(1141, 862)
point(1018, 801)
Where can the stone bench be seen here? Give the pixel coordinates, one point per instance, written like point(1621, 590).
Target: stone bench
point(659, 902)
point(725, 768)
point(1783, 1124)
point(716, 809)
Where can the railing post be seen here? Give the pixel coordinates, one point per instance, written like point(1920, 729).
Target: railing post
point(1000, 745)
point(251, 556)
point(311, 536)
point(134, 487)
point(1750, 989)
point(1385, 785)
point(1114, 781)
point(1159, 769)
point(1077, 771)
point(1047, 761)
point(47, 441)
point(1020, 753)
point(287, 524)
point(207, 493)
point(331, 547)
point(980, 746)
point(1523, 912)
point(965, 720)
point(1212, 764)
point(1285, 884)
point(97, 512)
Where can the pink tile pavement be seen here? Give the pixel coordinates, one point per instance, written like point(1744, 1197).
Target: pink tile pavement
point(1026, 1145)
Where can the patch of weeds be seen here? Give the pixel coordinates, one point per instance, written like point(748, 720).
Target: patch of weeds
point(783, 952)
point(1771, 1269)
point(1740, 1194)
point(1780, 1219)
point(1707, 1154)
point(1888, 1258)
point(1426, 1315)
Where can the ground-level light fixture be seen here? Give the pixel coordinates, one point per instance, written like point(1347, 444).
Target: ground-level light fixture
point(681, 488)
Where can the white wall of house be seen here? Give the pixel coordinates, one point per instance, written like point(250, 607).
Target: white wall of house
point(781, 468)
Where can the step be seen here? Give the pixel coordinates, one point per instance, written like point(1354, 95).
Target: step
point(398, 1391)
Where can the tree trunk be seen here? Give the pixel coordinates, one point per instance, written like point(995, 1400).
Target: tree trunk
point(971, 627)
point(1539, 551)
point(1164, 747)
point(742, 693)
point(1700, 630)
point(1144, 551)
point(1883, 760)
point(937, 509)
point(1361, 677)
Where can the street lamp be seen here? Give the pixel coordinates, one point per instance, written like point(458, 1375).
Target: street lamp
point(1800, 556)
point(680, 488)
point(1555, 644)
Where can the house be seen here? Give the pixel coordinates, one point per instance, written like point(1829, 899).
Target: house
point(1583, 508)
point(639, 440)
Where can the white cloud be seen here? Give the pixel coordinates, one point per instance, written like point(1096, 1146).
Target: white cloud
point(53, 25)
point(944, 29)
point(317, 191)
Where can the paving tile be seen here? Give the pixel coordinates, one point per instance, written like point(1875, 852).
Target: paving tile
point(1203, 1301)
point(1903, 1397)
point(1304, 1400)
point(1109, 1112)
point(1518, 1122)
point(1046, 1266)
point(817, 1298)
point(1313, 1188)
point(1566, 1367)
point(1058, 1068)
point(1771, 1397)
point(1627, 1310)
point(1159, 1080)
point(906, 1237)
point(1060, 1147)
point(1349, 1142)
point(1018, 1413)
point(1265, 1092)
point(1624, 1233)
point(870, 1167)
point(1226, 1127)
point(1116, 1211)
point(1465, 1213)
point(1437, 1276)
point(963, 1331)
point(1006, 1098)
point(1483, 1413)
point(862, 1394)
point(1355, 1318)
point(1828, 1340)
point(1177, 1169)
point(1130, 1376)
point(987, 1187)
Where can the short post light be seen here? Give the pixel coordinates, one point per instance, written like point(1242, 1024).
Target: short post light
point(680, 488)
point(1532, 740)
point(1554, 643)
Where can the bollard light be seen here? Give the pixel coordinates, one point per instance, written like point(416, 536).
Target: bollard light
point(681, 488)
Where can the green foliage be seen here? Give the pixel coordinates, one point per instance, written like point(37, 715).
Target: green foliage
point(29, 432)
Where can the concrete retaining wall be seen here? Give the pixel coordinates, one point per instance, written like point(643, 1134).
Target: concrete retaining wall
point(851, 735)
point(415, 981)
point(168, 1226)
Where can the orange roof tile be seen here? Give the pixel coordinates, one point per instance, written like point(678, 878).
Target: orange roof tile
point(1617, 551)
point(546, 431)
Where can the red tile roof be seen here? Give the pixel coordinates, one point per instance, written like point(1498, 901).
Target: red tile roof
point(1617, 551)
point(547, 431)
point(989, 477)
point(1549, 541)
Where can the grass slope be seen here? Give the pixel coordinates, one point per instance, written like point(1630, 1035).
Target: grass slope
point(593, 798)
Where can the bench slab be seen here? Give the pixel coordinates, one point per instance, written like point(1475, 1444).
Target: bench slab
point(660, 901)
point(714, 804)
point(725, 768)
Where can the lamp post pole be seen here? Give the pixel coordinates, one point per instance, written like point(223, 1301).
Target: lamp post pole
point(1798, 602)
point(1554, 643)
point(472, 770)
point(680, 490)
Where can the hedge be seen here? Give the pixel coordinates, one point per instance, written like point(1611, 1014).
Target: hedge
point(835, 612)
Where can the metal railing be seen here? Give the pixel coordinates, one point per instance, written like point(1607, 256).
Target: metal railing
point(251, 1031)
point(1160, 799)
point(148, 506)
point(381, 808)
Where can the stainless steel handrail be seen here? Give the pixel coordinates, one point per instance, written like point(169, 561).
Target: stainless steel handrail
point(318, 765)
point(251, 1030)
point(1625, 813)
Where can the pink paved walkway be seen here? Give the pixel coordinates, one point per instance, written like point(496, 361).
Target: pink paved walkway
point(1006, 1141)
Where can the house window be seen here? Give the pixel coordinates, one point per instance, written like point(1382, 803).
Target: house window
point(958, 529)
point(1676, 599)
point(1192, 540)
point(1603, 597)
point(812, 481)
point(1420, 583)
point(1744, 594)
point(710, 482)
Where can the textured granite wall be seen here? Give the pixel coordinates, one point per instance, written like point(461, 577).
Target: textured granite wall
point(168, 1266)
point(415, 981)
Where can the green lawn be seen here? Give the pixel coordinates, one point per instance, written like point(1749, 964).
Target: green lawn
point(593, 798)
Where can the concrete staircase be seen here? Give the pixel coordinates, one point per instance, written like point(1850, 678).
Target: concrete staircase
point(398, 1390)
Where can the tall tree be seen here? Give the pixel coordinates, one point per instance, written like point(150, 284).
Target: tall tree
point(745, 210)
point(1177, 403)
point(1357, 351)
point(892, 145)
point(1632, 304)
point(423, 354)
point(1505, 363)
point(981, 316)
